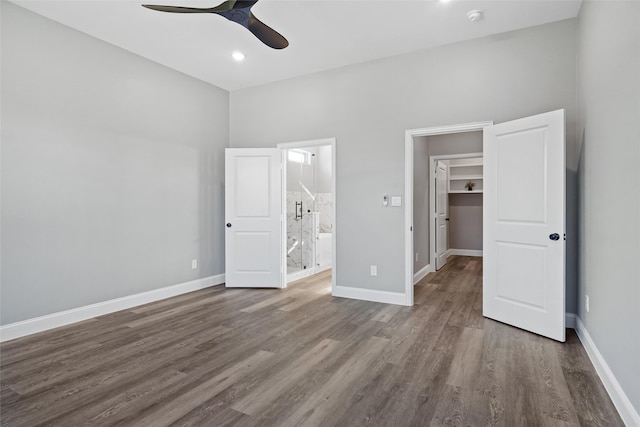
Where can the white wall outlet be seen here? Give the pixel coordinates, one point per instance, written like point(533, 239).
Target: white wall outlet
point(416, 256)
point(586, 302)
point(374, 270)
point(194, 264)
point(396, 201)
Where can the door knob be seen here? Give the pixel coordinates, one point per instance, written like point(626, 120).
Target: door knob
point(228, 225)
point(554, 236)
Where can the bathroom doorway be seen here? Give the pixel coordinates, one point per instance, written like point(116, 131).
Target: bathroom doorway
point(309, 208)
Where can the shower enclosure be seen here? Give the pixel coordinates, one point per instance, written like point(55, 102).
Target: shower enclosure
point(302, 217)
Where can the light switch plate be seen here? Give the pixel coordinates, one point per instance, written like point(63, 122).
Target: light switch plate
point(396, 201)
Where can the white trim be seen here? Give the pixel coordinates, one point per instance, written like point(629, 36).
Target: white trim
point(441, 130)
point(308, 272)
point(570, 320)
point(408, 191)
point(397, 298)
point(292, 277)
point(63, 318)
point(308, 143)
point(422, 273)
point(621, 401)
point(283, 219)
point(464, 252)
point(284, 146)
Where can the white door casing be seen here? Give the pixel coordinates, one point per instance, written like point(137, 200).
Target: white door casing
point(253, 217)
point(442, 214)
point(524, 224)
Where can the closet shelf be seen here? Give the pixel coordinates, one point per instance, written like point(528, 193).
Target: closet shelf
point(462, 177)
point(462, 171)
point(466, 165)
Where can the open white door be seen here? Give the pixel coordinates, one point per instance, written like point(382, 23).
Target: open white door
point(253, 219)
point(524, 224)
point(442, 214)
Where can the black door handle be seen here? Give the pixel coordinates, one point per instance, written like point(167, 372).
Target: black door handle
point(554, 236)
point(228, 225)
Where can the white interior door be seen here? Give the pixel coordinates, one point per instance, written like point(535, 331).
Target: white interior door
point(442, 214)
point(524, 224)
point(253, 218)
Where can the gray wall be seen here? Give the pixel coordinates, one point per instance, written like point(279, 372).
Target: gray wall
point(367, 107)
point(609, 179)
point(112, 171)
point(455, 143)
point(465, 225)
point(421, 229)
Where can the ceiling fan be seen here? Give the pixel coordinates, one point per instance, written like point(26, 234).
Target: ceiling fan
point(238, 11)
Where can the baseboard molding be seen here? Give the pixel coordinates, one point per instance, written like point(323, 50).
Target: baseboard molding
point(622, 403)
point(292, 277)
point(422, 273)
point(464, 252)
point(63, 318)
point(306, 273)
point(570, 320)
point(370, 295)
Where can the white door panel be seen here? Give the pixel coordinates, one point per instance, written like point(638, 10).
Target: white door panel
point(442, 214)
point(253, 219)
point(524, 206)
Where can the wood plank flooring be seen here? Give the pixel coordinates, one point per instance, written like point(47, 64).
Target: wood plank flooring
point(299, 357)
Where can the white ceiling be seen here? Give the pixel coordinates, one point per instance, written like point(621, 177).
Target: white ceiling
point(323, 34)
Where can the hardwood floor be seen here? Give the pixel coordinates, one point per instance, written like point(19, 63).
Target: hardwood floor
point(299, 357)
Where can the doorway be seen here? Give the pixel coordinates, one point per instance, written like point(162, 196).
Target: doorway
point(308, 190)
point(417, 138)
point(455, 202)
point(523, 220)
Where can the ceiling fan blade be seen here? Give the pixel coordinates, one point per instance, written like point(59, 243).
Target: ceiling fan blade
point(266, 34)
point(179, 9)
point(238, 11)
point(222, 7)
point(241, 4)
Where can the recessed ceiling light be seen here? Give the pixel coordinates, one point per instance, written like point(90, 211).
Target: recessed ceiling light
point(444, 1)
point(238, 56)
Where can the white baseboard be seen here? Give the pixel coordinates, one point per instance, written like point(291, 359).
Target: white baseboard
point(422, 273)
point(292, 277)
point(307, 272)
point(570, 320)
point(62, 318)
point(464, 252)
point(622, 403)
point(397, 298)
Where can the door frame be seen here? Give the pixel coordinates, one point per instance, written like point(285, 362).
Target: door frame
point(284, 147)
point(432, 202)
point(409, 135)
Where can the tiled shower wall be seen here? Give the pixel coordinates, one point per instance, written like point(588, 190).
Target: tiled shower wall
point(302, 233)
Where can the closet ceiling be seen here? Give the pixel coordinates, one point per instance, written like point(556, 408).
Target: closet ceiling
point(323, 34)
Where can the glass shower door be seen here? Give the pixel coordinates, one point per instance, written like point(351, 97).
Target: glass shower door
point(301, 217)
point(309, 218)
